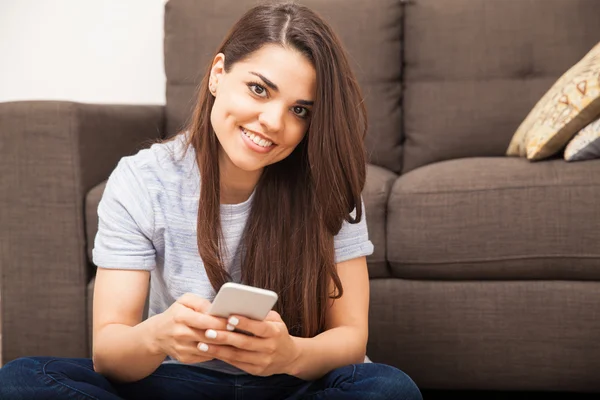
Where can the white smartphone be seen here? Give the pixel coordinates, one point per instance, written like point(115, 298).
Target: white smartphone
point(244, 300)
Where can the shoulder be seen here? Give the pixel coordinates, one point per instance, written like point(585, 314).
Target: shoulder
point(162, 158)
point(161, 165)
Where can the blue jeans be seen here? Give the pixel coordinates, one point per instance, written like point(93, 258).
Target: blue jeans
point(74, 378)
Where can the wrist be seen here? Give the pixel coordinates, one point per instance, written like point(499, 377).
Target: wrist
point(294, 367)
point(150, 333)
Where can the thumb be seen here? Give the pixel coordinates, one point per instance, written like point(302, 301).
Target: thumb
point(273, 316)
point(194, 302)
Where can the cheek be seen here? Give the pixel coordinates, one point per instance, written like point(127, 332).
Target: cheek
point(232, 109)
point(296, 133)
point(240, 108)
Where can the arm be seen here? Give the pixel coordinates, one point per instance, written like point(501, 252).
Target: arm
point(122, 348)
point(345, 340)
point(126, 349)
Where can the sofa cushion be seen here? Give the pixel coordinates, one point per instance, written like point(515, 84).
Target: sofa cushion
point(370, 31)
point(571, 103)
point(375, 195)
point(496, 218)
point(585, 145)
point(474, 69)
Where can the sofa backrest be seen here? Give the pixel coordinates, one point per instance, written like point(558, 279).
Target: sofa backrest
point(369, 29)
point(475, 68)
point(442, 79)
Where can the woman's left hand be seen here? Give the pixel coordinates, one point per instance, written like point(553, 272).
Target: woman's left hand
point(272, 350)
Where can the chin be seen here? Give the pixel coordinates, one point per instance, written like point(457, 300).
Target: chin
point(247, 165)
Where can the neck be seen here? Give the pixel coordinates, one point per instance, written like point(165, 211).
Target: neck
point(236, 184)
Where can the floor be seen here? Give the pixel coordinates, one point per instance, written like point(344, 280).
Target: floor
point(464, 395)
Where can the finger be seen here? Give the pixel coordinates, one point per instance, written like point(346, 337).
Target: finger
point(273, 316)
point(194, 302)
point(189, 354)
point(228, 353)
point(239, 340)
point(263, 329)
point(200, 321)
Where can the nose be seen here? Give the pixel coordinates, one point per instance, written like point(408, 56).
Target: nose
point(271, 117)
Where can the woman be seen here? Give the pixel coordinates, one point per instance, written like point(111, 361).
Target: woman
point(263, 188)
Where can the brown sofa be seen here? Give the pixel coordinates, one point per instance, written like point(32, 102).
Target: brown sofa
point(486, 268)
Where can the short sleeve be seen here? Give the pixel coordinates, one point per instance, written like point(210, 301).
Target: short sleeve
point(125, 222)
point(352, 241)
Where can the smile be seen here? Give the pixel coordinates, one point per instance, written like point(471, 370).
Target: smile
point(256, 139)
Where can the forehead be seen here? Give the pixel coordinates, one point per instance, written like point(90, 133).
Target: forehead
point(287, 68)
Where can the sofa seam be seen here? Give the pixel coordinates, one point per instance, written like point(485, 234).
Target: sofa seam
point(489, 260)
point(500, 189)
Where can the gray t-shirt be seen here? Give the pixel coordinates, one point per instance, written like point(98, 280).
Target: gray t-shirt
point(147, 221)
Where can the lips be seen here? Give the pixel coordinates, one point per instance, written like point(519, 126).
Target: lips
point(255, 142)
point(257, 138)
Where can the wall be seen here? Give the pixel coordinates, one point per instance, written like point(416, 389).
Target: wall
point(102, 51)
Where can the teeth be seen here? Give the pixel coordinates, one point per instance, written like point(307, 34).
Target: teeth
point(256, 139)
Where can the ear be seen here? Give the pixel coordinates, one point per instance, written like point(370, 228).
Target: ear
point(217, 70)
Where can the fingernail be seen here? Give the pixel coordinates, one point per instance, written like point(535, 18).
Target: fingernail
point(211, 334)
point(203, 347)
point(233, 321)
point(230, 327)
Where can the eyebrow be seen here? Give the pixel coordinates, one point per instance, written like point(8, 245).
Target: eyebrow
point(275, 88)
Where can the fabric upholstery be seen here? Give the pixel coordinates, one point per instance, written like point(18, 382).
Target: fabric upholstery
point(568, 106)
point(92, 199)
point(375, 195)
point(488, 335)
point(496, 218)
point(52, 154)
point(474, 69)
point(89, 314)
point(370, 31)
point(484, 268)
point(585, 145)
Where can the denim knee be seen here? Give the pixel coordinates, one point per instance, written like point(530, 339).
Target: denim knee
point(17, 376)
point(20, 367)
point(404, 385)
point(391, 383)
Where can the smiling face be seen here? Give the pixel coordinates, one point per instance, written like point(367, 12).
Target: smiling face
point(262, 107)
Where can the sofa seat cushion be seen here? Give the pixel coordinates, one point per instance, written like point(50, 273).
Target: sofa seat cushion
point(375, 195)
point(496, 218)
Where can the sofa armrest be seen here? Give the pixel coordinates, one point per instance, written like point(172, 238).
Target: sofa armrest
point(51, 154)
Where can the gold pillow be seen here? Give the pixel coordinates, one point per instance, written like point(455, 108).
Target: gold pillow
point(571, 104)
point(586, 144)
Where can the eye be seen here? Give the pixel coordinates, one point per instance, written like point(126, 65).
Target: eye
point(258, 89)
point(302, 112)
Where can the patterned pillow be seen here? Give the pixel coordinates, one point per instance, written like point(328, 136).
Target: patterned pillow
point(571, 104)
point(586, 144)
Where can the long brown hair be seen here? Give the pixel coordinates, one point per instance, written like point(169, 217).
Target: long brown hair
point(299, 203)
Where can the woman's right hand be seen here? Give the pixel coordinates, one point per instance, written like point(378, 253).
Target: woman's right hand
point(178, 330)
